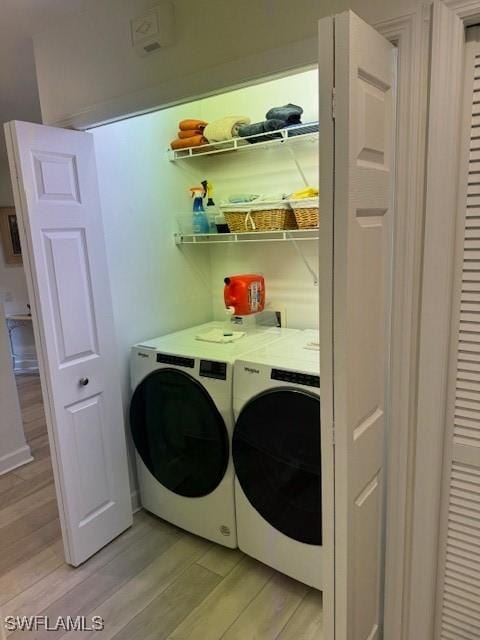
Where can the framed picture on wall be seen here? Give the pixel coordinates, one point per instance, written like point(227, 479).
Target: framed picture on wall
point(10, 237)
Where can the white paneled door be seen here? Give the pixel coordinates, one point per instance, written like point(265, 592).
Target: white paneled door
point(357, 107)
point(56, 197)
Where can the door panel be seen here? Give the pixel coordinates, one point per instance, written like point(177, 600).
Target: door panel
point(57, 203)
point(70, 289)
point(356, 198)
point(86, 419)
point(56, 177)
point(367, 541)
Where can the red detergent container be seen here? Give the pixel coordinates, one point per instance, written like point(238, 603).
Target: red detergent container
point(244, 294)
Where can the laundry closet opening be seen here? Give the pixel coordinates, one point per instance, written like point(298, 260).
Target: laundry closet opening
point(159, 287)
point(223, 416)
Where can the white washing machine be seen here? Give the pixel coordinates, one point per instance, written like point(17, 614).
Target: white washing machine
point(181, 419)
point(277, 456)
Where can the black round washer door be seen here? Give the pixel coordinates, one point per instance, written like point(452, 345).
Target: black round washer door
point(276, 453)
point(179, 433)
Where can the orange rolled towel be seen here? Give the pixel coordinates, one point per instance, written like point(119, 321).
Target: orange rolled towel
point(188, 125)
point(194, 141)
point(190, 134)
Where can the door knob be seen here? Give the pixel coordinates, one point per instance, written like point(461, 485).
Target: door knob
point(83, 382)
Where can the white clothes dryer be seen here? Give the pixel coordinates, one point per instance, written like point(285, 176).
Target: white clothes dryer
point(181, 419)
point(277, 456)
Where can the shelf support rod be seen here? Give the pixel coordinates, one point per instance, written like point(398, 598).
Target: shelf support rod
point(297, 164)
point(303, 259)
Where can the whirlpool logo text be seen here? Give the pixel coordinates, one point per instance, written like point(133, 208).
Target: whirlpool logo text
point(251, 370)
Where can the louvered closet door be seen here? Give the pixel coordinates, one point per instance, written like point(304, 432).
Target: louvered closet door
point(458, 610)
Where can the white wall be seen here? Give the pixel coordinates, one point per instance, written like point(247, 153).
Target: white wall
point(14, 450)
point(155, 288)
point(13, 281)
point(288, 283)
point(87, 67)
point(12, 278)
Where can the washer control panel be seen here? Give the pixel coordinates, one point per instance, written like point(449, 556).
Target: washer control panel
point(211, 369)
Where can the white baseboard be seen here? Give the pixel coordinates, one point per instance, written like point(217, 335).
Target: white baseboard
point(26, 365)
point(136, 504)
point(15, 459)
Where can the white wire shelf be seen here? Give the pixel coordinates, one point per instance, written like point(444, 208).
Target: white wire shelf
point(248, 236)
point(293, 134)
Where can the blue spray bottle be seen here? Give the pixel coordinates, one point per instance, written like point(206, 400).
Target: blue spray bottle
point(200, 220)
point(211, 210)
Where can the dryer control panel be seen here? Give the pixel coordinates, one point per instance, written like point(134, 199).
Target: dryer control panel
point(178, 361)
point(296, 378)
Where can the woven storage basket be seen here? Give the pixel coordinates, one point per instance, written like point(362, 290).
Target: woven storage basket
point(306, 212)
point(267, 216)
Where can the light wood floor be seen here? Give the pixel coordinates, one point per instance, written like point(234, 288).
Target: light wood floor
point(153, 582)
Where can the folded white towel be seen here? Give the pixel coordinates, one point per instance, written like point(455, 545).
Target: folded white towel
point(225, 128)
point(220, 336)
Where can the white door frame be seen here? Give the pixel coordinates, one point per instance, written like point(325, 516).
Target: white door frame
point(450, 18)
point(410, 33)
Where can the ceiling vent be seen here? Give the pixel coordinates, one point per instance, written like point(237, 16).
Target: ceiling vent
point(153, 30)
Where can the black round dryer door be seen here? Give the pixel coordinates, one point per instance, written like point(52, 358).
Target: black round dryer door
point(179, 433)
point(276, 453)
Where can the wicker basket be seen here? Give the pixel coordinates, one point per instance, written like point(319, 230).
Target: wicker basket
point(306, 212)
point(266, 216)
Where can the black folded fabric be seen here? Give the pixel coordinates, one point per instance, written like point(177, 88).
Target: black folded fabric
point(261, 127)
point(302, 129)
point(276, 118)
point(289, 113)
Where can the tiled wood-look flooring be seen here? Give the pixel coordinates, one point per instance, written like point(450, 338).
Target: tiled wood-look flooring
point(153, 582)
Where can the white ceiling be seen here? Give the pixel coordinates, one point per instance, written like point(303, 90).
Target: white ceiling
point(19, 21)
